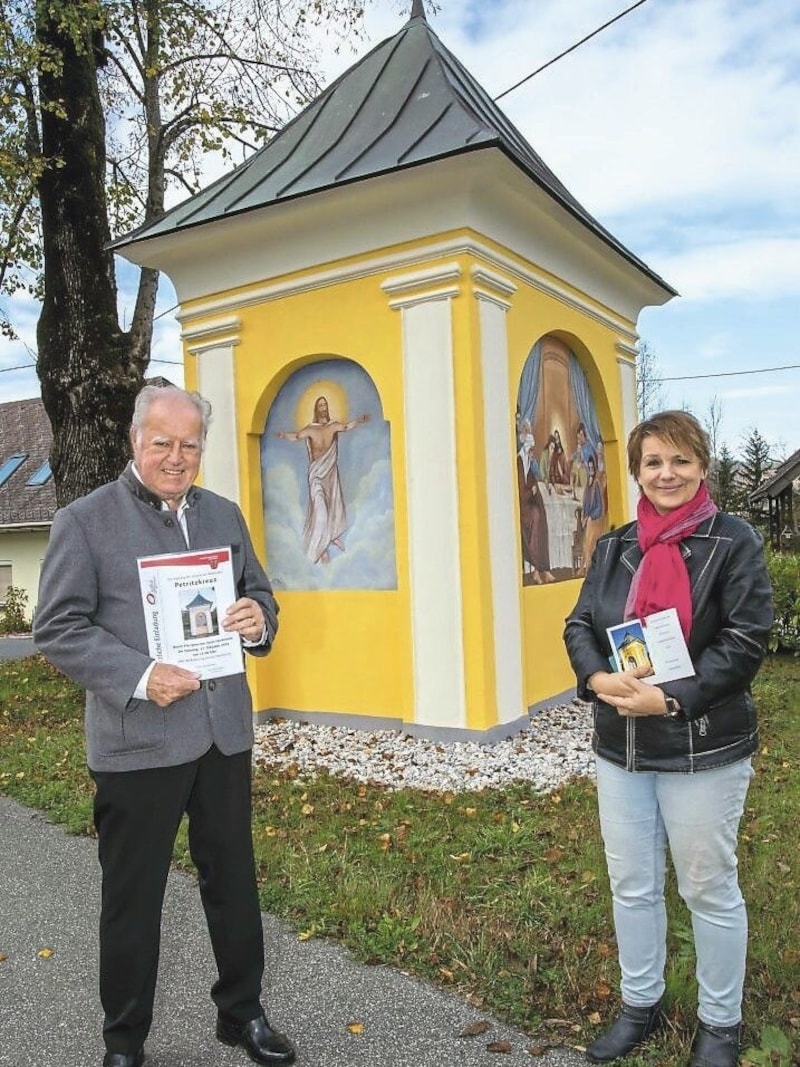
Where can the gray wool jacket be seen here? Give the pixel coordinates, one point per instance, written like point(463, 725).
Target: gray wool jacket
point(90, 624)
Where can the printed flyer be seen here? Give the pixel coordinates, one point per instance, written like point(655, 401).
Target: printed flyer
point(185, 596)
point(656, 641)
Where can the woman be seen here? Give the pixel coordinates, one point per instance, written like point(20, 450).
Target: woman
point(674, 760)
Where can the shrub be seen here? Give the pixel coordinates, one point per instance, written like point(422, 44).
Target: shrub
point(784, 570)
point(12, 618)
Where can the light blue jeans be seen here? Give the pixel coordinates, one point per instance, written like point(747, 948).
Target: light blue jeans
point(698, 815)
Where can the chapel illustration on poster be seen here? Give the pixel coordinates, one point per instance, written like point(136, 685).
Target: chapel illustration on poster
point(561, 471)
point(327, 482)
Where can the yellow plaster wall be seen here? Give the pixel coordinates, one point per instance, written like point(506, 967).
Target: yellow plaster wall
point(347, 652)
point(350, 652)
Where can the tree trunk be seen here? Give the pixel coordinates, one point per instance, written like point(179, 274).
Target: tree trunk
point(88, 368)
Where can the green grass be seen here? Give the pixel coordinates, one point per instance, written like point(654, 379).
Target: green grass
point(501, 896)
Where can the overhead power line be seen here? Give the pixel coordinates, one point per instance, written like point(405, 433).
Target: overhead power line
point(571, 48)
point(731, 373)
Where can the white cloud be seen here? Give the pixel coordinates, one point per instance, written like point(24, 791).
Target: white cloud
point(756, 268)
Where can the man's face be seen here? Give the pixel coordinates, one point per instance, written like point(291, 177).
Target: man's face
point(168, 447)
point(322, 410)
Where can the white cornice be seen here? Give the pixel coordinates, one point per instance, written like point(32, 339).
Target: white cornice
point(418, 279)
point(462, 245)
point(207, 335)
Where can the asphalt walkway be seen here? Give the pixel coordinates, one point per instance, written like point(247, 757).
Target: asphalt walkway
point(339, 1013)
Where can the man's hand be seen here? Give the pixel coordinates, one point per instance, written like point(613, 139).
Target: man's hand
point(245, 618)
point(167, 684)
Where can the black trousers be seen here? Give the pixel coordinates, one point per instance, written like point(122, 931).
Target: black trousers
point(137, 814)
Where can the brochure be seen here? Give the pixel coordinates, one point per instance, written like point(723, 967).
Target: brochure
point(185, 596)
point(656, 641)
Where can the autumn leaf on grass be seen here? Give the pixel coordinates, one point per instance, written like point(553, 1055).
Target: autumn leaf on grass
point(44, 953)
point(355, 1028)
point(474, 1029)
point(307, 809)
point(595, 1018)
point(602, 990)
point(499, 1046)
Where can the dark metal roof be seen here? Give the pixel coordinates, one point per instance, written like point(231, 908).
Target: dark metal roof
point(781, 480)
point(407, 102)
point(25, 428)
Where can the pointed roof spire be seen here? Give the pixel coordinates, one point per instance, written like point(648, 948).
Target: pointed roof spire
point(417, 10)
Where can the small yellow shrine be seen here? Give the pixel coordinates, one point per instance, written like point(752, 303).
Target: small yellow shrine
point(420, 349)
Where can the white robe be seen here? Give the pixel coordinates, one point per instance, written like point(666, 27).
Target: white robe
point(326, 519)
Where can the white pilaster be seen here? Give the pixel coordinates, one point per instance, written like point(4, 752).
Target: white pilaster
point(491, 291)
point(432, 478)
point(627, 381)
point(212, 344)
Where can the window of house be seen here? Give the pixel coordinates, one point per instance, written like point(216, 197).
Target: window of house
point(10, 465)
point(44, 474)
point(5, 582)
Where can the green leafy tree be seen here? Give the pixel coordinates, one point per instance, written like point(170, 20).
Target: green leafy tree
point(726, 489)
point(755, 464)
point(107, 105)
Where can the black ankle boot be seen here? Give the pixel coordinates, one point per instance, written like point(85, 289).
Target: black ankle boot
point(631, 1028)
point(716, 1046)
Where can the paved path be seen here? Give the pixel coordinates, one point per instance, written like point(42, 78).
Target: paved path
point(314, 990)
point(16, 647)
point(49, 1010)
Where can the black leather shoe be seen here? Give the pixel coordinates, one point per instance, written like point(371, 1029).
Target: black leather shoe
point(124, 1059)
point(261, 1043)
point(716, 1046)
point(631, 1028)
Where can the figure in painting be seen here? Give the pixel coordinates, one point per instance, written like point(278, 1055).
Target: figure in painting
point(326, 518)
point(558, 473)
point(579, 462)
point(532, 515)
point(592, 513)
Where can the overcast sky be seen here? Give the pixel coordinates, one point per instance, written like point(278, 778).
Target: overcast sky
point(679, 128)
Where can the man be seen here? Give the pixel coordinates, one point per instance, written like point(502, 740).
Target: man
point(326, 519)
point(159, 741)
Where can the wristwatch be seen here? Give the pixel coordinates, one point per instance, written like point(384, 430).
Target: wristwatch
point(673, 708)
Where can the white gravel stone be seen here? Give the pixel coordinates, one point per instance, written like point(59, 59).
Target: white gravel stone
point(555, 747)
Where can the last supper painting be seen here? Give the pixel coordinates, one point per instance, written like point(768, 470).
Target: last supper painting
point(561, 471)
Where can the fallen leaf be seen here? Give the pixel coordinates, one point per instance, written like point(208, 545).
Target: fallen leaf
point(603, 990)
point(355, 1028)
point(474, 1029)
point(3, 957)
point(499, 1046)
point(44, 953)
point(595, 1018)
point(537, 1050)
point(307, 809)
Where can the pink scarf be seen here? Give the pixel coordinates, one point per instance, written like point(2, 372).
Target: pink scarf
point(661, 579)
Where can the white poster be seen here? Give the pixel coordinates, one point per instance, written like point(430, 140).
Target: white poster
point(185, 596)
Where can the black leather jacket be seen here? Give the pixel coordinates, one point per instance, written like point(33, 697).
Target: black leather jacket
point(732, 615)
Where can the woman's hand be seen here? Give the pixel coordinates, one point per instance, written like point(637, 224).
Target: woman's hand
point(625, 691)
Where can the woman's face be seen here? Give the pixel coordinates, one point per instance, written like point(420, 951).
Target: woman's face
point(668, 477)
